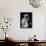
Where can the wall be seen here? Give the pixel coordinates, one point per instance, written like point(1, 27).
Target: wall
point(12, 8)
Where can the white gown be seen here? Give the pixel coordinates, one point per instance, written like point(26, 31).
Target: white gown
point(24, 23)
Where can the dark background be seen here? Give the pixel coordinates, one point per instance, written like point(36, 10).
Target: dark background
point(30, 17)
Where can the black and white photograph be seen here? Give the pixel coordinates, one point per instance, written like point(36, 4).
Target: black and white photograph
point(26, 20)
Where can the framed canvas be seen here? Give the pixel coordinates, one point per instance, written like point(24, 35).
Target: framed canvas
point(26, 20)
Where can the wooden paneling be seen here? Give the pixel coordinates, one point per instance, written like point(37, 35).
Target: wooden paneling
point(44, 44)
point(25, 44)
point(17, 44)
point(40, 44)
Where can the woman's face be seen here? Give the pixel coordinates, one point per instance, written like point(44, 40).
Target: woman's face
point(26, 16)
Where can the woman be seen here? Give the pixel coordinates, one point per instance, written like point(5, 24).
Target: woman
point(24, 21)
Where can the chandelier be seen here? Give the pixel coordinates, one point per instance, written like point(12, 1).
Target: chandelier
point(36, 3)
